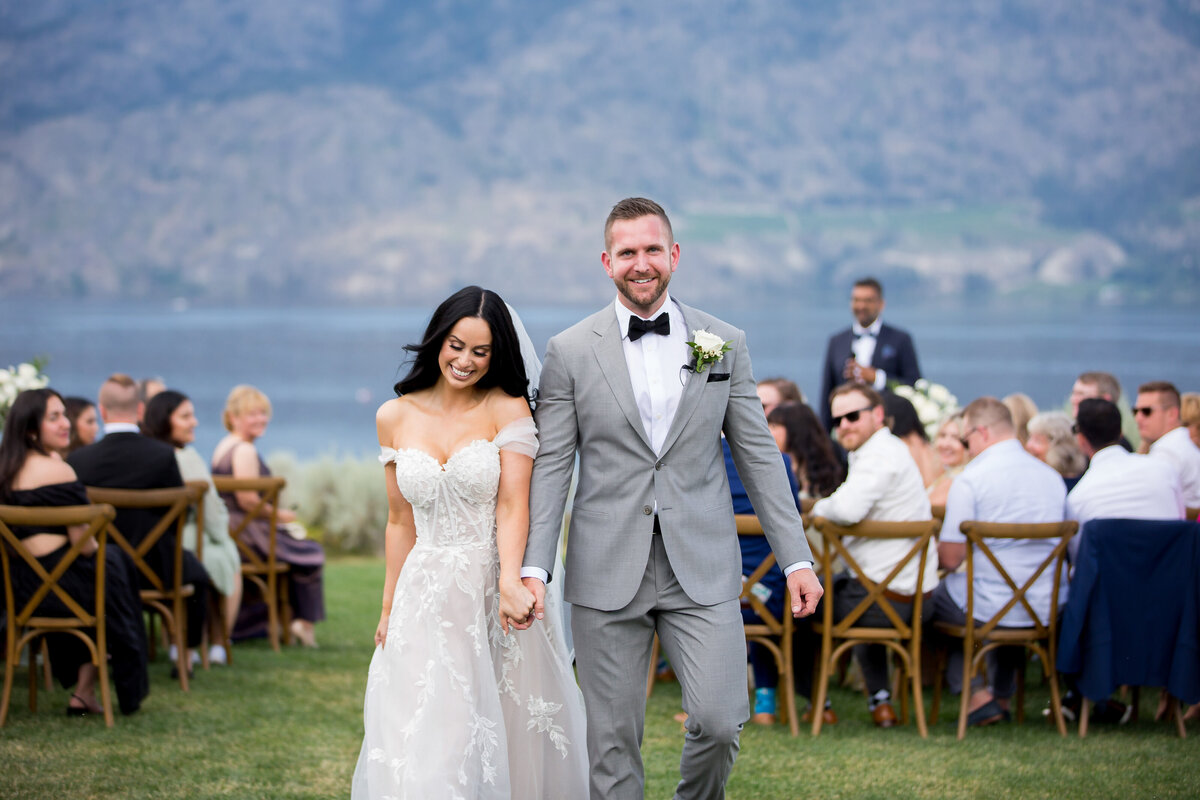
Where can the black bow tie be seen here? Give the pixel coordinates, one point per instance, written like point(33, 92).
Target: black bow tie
point(864, 335)
point(638, 327)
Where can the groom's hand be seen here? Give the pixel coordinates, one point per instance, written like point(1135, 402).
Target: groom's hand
point(806, 590)
point(539, 595)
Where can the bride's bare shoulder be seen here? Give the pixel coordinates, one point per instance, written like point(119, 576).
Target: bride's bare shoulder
point(391, 415)
point(505, 408)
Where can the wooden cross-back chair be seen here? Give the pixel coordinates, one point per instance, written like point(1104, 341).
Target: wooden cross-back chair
point(773, 633)
point(268, 573)
point(24, 625)
point(980, 637)
point(903, 638)
point(166, 596)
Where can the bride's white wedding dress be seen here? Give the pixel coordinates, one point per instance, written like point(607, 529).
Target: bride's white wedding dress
point(454, 708)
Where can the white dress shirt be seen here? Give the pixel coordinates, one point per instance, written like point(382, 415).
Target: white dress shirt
point(883, 484)
point(863, 348)
point(656, 371)
point(121, 427)
point(1006, 484)
point(1177, 448)
point(1124, 485)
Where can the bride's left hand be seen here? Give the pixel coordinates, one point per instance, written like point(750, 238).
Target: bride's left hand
point(516, 606)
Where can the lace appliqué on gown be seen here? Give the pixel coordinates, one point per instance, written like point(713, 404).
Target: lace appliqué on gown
point(454, 708)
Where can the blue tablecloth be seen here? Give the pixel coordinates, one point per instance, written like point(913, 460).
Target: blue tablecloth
point(1132, 614)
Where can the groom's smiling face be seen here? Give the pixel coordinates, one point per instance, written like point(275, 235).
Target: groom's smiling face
point(640, 259)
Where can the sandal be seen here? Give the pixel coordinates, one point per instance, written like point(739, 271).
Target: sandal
point(77, 711)
point(987, 714)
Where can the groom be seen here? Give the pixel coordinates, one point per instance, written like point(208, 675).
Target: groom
point(652, 544)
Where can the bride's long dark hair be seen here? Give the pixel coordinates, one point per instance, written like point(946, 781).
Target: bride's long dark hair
point(507, 368)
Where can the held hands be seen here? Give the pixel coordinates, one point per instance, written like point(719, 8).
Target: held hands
point(805, 590)
point(517, 605)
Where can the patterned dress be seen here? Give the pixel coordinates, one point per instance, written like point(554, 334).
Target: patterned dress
point(454, 708)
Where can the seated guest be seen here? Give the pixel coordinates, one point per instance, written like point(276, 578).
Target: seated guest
point(31, 476)
point(883, 484)
point(1189, 415)
point(1023, 409)
point(774, 392)
point(1002, 483)
point(85, 425)
point(170, 417)
point(1051, 441)
point(1094, 384)
point(1118, 484)
point(247, 412)
point(771, 590)
point(125, 459)
point(906, 426)
point(1158, 421)
point(146, 389)
point(800, 435)
point(953, 455)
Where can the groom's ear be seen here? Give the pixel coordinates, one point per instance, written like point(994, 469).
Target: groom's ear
point(606, 260)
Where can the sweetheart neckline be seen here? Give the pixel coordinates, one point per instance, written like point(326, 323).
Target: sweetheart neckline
point(442, 465)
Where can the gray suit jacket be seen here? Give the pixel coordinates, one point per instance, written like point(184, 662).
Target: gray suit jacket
point(586, 405)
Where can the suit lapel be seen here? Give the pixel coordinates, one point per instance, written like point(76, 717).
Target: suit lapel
point(611, 356)
point(692, 390)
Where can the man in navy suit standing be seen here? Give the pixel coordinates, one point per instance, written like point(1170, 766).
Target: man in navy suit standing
point(867, 351)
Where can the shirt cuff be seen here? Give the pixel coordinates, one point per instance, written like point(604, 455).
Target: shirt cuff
point(535, 572)
point(880, 380)
point(790, 568)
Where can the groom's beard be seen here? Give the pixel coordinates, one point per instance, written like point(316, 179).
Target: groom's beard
point(644, 298)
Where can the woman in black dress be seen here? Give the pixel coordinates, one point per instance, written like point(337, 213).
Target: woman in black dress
point(32, 474)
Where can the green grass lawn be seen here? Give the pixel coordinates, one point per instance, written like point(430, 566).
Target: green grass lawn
point(288, 725)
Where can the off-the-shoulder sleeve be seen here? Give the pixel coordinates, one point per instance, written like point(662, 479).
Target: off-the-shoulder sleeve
point(386, 455)
point(519, 436)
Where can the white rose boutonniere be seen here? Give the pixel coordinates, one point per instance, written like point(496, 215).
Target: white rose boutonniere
point(707, 349)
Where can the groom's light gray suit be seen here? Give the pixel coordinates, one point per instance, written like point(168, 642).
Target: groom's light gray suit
point(624, 580)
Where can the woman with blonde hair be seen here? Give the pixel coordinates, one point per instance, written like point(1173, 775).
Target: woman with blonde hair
point(247, 412)
point(1023, 409)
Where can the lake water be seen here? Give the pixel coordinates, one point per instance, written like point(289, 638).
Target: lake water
point(327, 369)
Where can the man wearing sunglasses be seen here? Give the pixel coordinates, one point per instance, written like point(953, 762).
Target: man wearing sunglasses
point(868, 351)
point(883, 484)
point(1156, 412)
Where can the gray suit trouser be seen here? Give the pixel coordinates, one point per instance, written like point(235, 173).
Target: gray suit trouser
point(707, 649)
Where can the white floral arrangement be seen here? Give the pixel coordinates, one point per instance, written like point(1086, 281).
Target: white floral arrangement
point(932, 401)
point(707, 348)
point(15, 380)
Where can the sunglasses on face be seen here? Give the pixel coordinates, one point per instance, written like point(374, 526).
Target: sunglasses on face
point(1145, 411)
point(850, 416)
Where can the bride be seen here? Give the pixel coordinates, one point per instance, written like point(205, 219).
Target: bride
point(467, 696)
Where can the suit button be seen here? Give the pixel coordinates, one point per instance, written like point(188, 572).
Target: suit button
point(659, 465)
point(647, 510)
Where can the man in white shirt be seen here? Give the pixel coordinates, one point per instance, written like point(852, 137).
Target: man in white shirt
point(1118, 484)
point(1157, 414)
point(883, 484)
point(1001, 483)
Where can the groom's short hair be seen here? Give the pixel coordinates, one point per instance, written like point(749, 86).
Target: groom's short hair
point(635, 208)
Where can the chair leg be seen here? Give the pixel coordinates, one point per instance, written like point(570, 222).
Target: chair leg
point(185, 662)
point(653, 671)
point(1085, 711)
point(818, 702)
point(9, 667)
point(1180, 727)
point(1056, 704)
point(1020, 709)
point(965, 699)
